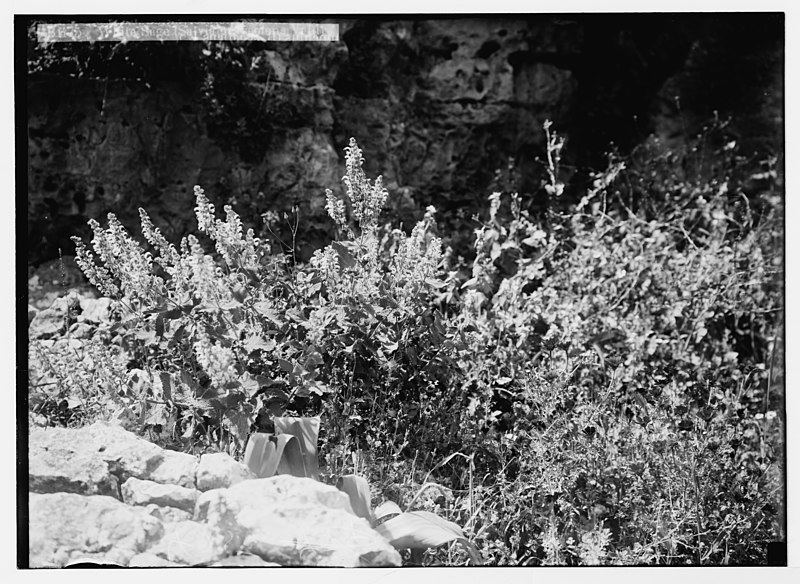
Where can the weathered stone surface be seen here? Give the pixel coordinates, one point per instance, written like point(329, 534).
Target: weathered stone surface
point(79, 511)
point(214, 509)
point(32, 311)
point(149, 560)
point(67, 526)
point(168, 514)
point(52, 321)
point(244, 560)
point(219, 470)
point(91, 460)
point(96, 310)
point(126, 454)
point(81, 330)
point(37, 420)
point(191, 543)
point(438, 105)
point(177, 468)
point(142, 492)
point(295, 521)
point(59, 462)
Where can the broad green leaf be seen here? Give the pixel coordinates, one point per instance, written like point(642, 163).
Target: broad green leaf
point(257, 342)
point(250, 385)
point(534, 239)
point(155, 414)
point(173, 313)
point(268, 454)
point(306, 430)
point(292, 461)
point(264, 308)
point(140, 382)
point(419, 530)
point(423, 530)
point(386, 510)
point(434, 283)
point(258, 457)
point(230, 305)
point(357, 489)
point(146, 336)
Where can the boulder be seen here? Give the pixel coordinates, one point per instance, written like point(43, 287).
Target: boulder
point(168, 514)
point(148, 560)
point(191, 543)
point(96, 310)
point(218, 471)
point(91, 460)
point(103, 495)
point(126, 454)
point(65, 526)
point(59, 462)
point(48, 323)
point(142, 492)
point(176, 468)
point(81, 330)
point(244, 560)
point(294, 522)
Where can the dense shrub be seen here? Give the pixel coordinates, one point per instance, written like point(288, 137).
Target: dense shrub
point(624, 372)
point(603, 388)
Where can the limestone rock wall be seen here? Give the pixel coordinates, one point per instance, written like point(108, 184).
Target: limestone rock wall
point(438, 105)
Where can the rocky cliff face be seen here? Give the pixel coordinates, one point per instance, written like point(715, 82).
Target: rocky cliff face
point(438, 106)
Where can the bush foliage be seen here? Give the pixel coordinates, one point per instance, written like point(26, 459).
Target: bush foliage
point(600, 386)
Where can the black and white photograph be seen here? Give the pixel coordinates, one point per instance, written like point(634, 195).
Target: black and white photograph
point(401, 290)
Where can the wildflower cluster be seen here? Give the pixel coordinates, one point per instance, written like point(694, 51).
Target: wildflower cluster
point(417, 257)
point(236, 249)
point(335, 208)
point(366, 199)
point(127, 269)
point(217, 361)
point(359, 265)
